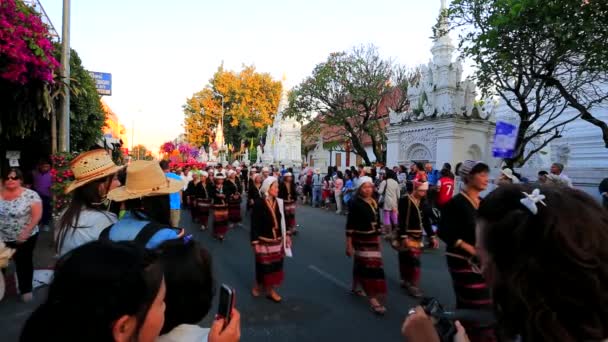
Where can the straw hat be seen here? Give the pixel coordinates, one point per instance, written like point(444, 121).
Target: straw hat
point(145, 178)
point(509, 174)
point(90, 166)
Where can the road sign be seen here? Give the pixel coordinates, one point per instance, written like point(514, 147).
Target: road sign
point(103, 82)
point(504, 140)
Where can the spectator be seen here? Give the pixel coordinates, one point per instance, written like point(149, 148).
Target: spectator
point(100, 292)
point(338, 186)
point(349, 187)
point(390, 192)
point(86, 216)
point(542, 177)
point(190, 285)
point(20, 212)
point(604, 192)
point(42, 182)
point(445, 187)
point(507, 177)
point(176, 197)
point(431, 174)
point(558, 170)
point(317, 184)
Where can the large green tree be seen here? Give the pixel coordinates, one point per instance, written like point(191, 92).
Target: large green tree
point(540, 56)
point(352, 92)
point(250, 100)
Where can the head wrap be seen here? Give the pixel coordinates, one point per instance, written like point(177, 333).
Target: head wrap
point(469, 165)
point(363, 180)
point(266, 185)
point(265, 169)
point(204, 174)
point(288, 174)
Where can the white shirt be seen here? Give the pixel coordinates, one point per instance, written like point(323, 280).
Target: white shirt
point(90, 224)
point(185, 333)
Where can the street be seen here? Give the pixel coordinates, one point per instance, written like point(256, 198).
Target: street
point(317, 304)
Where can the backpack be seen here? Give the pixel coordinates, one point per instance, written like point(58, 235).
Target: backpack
point(145, 234)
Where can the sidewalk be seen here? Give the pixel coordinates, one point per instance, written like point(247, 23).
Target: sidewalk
point(14, 313)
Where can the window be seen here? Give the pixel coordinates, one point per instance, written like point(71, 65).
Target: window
point(359, 160)
point(339, 160)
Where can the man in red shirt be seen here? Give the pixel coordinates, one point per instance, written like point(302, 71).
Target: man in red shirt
point(445, 187)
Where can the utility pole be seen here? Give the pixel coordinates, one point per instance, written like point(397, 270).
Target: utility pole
point(64, 117)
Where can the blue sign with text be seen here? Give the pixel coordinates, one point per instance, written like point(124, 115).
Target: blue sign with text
point(504, 140)
point(103, 82)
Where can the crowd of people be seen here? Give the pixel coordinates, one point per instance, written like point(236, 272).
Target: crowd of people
point(148, 280)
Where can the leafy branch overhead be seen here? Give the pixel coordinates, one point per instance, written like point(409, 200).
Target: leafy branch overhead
point(541, 57)
point(250, 101)
point(354, 92)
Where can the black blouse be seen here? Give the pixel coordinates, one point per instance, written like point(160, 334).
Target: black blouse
point(418, 219)
point(362, 218)
point(290, 195)
point(263, 226)
point(253, 193)
point(457, 223)
point(201, 191)
point(226, 190)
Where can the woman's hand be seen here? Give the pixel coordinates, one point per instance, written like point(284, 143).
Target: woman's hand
point(461, 334)
point(434, 242)
point(230, 333)
point(418, 327)
point(24, 235)
point(468, 248)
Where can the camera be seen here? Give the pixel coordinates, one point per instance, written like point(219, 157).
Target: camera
point(445, 327)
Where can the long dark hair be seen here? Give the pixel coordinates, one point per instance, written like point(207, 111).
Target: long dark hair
point(84, 197)
point(548, 271)
point(189, 280)
point(93, 286)
point(390, 174)
point(153, 208)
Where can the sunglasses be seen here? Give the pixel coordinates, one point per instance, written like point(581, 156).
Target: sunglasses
point(12, 178)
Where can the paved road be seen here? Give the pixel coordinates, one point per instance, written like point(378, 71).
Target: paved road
point(316, 303)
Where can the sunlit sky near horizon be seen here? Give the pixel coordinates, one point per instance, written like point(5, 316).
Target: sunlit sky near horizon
point(160, 52)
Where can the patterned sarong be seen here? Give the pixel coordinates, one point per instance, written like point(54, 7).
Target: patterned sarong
point(234, 211)
point(368, 267)
point(220, 219)
point(203, 207)
point(269, 263)
point(290, 214)
point(409, 265)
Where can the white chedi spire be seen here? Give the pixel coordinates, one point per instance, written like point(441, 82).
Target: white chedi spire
point(443, 49)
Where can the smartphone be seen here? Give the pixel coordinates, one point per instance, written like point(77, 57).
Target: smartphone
point(226, 302)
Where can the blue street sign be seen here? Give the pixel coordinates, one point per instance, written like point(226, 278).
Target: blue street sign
point(505, 139)
point(103, 82)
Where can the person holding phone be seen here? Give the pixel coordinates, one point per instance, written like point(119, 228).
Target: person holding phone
point(190, 289)
point(269, 239)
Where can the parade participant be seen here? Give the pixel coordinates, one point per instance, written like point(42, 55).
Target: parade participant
point(390, 192)
point(270, 240)
point(190, 290)
point(20, 212)
point(413, 219)
point(252, 174)
point(254, 190)
point(220, 193)
point(87, 215)
point(363, 244)
point(457, 230)
point(548, 282)
point(287, 192)
point(265, 172)
point(101, 291)
point(189, 193)
point(146, 199)
point(234, 201)
point(445, 187)
point(203, 201)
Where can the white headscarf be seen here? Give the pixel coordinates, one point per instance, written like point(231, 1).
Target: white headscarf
point(363, 180)
point(266, 185)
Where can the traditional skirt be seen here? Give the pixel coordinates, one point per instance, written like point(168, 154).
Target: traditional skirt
point(234, 211)
point(368, 268)
point(471, 293)
point(220, 219)
point(203, 207)
point(290, 214)
point(269, 263)
point(190, 201)
point(409, 265)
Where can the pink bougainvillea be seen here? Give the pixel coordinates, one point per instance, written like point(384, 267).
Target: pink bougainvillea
point(26, 52)
point(167, 147)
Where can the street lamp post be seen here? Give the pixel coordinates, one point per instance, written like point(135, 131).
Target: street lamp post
point(64, 123)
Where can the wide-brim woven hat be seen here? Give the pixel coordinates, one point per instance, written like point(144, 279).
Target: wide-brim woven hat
point(90, 166)
point(145, 178)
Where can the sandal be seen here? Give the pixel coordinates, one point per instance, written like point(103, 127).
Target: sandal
point(255, 291)
point(378, 309)
point(358, 293)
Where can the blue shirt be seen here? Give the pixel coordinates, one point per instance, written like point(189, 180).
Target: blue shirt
point(174, 197)
point(128, 227)
point(348, 186)
point(432, 177)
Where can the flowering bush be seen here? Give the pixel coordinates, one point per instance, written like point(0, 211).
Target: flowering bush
point(167, 147)
point(61, 177)
point(26, 52)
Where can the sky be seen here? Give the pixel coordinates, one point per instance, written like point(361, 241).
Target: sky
point(159, 52)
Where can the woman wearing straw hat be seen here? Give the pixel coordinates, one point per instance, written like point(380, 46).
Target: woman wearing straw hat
point(289, 195)
point(147, 220)
point(270, 240)
point(363, 243)
point(234, 201)
point(220, 194)
point(203, 201)
point(87, 215)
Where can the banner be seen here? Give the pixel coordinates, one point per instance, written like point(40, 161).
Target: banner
point(505, 139)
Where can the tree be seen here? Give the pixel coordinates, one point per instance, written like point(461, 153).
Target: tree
point(140, 152)
point(250, 102)
point(352, 91)
point(541, 57)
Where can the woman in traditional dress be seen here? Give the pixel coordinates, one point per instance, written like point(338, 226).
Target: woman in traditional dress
point(363, 243)
point(190, 195)
point(457, 230)
point(203, 201)
point(254, 190)
point(219, 194)
point(413, 218)
point(289, 195)
point(234, 201)
point(270, 240)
